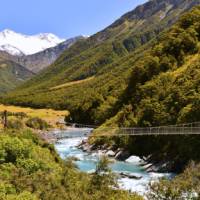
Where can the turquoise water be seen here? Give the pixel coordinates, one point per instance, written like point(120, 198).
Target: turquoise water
point(87, 162)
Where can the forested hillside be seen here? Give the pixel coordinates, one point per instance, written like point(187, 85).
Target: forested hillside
point(164, 90)
point(164, 85)
point(90, 79)
point(12, 75)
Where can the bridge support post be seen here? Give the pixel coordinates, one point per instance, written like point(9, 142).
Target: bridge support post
point(5, 119)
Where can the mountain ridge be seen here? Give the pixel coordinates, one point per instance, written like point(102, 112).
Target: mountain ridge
point(21, 67)
point(40, 60)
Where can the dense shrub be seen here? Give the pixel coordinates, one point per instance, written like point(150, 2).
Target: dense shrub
point(184, 186)
point(15, 124)
point(20, 115)
point(30, 171)
point(37, 123)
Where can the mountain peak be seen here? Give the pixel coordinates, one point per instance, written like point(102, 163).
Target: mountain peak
point(50, 37)
point(7, 31)
point(14, 43)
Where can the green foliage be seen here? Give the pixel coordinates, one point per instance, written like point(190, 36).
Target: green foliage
point(184, 186)
point(12, 150)
point(151, 87)
point(30, 170)
point(11, 75)
point(20, 115)
point(21, 196)
point(103, 176)
point(37, 123)
point(15, 124)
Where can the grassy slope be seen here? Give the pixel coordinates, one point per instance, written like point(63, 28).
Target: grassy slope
point(72, 83)
point(12, 75)
point(49, 115)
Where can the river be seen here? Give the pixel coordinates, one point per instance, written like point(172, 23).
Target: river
point(87, 162)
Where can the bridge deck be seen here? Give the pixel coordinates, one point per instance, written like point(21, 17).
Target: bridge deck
point(185, 129)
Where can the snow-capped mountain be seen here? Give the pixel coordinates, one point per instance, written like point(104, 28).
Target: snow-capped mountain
point(39, 61)
point(19, 44)
point(11, 49)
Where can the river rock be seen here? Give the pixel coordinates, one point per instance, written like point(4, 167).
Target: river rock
point(161, 167)
point(151, 168)
point(131, 176)
point(86, 148)
point(122, 155)
point(117, 154)
point(164, 167)
point(110, 153)
point(134, 159)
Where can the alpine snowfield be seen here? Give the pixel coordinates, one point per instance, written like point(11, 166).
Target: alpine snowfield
point(19, 44)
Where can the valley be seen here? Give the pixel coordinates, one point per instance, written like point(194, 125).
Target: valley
point(24, 62)
point(142, 73)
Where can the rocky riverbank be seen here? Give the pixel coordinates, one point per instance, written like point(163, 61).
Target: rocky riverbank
point(51, 135)
point(117, 154)
point(132, 176)
point(126, 156)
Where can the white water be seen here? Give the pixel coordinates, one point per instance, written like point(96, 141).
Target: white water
point(87, 163)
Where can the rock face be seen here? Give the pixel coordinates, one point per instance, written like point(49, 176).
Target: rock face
point(154, 7)
point(39, 61)
point(33, 52)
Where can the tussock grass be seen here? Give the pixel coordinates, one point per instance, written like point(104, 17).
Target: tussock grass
point(72, 83)
point(49, 115)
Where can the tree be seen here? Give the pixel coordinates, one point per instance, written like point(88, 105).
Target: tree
point(103, 177)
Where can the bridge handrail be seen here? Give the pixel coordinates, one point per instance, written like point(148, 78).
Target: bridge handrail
point(192, 124)
point(141, 132)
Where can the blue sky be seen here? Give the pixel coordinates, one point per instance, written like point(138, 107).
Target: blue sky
point(66, 18)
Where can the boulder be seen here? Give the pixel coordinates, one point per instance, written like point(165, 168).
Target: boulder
point(131, 176)
point(134, 159)
point(122, 155)
point(110, 153)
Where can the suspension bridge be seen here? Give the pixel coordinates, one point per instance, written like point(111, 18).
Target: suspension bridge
point(82, 130)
